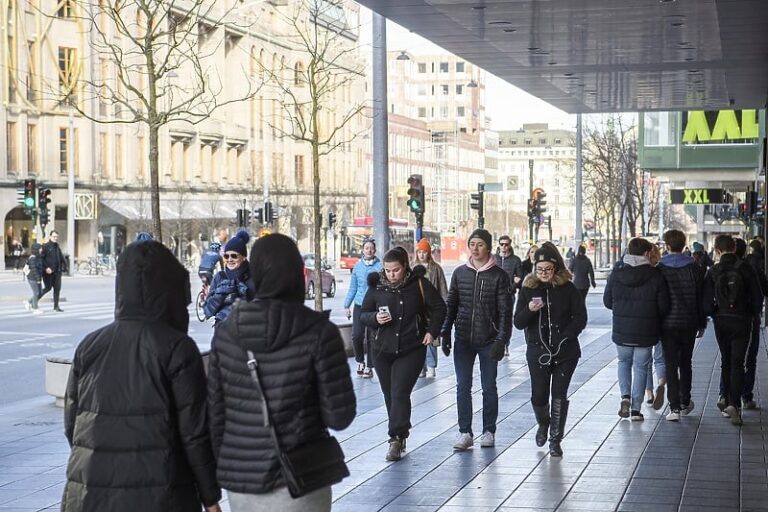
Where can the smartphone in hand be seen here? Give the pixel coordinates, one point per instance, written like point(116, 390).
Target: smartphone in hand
point(537, 300)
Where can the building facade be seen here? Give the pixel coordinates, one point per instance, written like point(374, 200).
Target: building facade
point(210, 165)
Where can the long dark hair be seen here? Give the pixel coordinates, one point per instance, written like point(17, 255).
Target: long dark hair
point(397, 254)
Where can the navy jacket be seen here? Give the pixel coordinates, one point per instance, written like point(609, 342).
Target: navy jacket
point(224, 291)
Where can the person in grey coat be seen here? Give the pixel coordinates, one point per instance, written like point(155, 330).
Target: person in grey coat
point(583, 272)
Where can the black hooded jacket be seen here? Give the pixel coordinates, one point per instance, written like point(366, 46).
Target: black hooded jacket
point(639, 298)
point(409, 311)
point(554, 329)
point(135, 413)
point(302, 367)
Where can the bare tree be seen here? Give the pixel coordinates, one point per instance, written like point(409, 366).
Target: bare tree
point(140, 47)
point(312, 97)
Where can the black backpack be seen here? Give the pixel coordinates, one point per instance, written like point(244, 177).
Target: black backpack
point(731, 292)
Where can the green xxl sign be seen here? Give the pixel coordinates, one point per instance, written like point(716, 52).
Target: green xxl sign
point(720, 126)
point(697, 196)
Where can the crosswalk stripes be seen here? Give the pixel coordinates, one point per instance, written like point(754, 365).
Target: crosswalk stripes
point(92, 311)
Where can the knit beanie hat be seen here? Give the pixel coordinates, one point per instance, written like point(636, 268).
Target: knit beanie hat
point(238, 243)
point(423, 245)
point(482, 234)
point(697, 247)
point(548, 253)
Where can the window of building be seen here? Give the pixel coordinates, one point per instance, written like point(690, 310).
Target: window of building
point(459, 90)
point(659, 128)
point(422, 112)
point(444, 112)
point(119, 157)
point(66, 9)
point(459, 111)
point(463, 130)
point(443, 67)
point(422, 90)
point(558, 141)
point(298, 170)
point(459, 67)
point(64, 151)
point(298, 75)
point(32, 164)
point(422, 67)
point(513, 142)
point(13, 148)
point(542, 140)
point(104, 154)
point(68, 73)
point(528, 142)
point(444, 89)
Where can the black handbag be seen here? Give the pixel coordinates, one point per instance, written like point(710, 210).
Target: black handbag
point(310, 466)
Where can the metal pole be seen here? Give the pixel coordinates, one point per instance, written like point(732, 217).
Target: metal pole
point(380, 134)
point(579, 225)
point(71, 190)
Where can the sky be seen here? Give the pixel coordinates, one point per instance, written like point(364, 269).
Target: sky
point(511, 106)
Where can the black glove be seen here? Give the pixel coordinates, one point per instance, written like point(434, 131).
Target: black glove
point(445, 343)
point(497, 351)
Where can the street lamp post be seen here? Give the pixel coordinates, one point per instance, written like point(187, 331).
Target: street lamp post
point(71, 189)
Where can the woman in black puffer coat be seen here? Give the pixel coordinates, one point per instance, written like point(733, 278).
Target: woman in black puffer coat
point(414, 314)
point(552, 312)
point(303, 370)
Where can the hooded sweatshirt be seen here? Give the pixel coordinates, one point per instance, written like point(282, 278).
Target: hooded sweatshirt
point(135, 411)
point(302, 367)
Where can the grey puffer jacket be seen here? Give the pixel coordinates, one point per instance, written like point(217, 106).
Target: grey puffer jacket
point(479, 306)
point(304, 372)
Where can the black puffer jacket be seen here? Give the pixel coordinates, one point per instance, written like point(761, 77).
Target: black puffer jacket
point(135, 412)
point(756, 260)
point(555, 328)
point(639, 299)
point(409, 312)
point(304, 371)
point(479, 306)
point(512, 266)
point(583, 273)
point(53, 258)
point(684, 280)
point(754, 295)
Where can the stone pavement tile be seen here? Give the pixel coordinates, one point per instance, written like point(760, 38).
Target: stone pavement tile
point(569, 505)
point(36, 482)
point(9, 495)
point(646, 507)
point(40, 499)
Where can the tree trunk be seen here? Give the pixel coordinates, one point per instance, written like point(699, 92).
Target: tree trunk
point(318, 219)
point(154, 180)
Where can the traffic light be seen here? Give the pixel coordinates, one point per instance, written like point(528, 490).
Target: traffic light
point(43, 197)
point(270, 213)
point(477, 204)
point(532, 208)
point(44, 217)
point(243, 217)
point(541, 201)
point(28, 200)
point(258, 216)
point(415, 194)
point(331, 219)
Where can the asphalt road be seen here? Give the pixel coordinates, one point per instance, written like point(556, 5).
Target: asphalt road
point(88, 304)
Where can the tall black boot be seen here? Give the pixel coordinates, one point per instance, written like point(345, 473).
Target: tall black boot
point(557, 426)
point(542, 418)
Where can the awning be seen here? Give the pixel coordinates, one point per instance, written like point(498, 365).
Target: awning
point(174, 208)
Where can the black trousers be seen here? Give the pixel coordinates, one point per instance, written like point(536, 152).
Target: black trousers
point(361, 339)
point(678, 347)
point(584, 294)
point(397, 376)
point(733, 335)
point(52, 280)
point(552, 379)
point(751, 366)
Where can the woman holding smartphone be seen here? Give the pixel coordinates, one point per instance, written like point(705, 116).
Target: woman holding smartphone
point(406, 313)
point(552, 313)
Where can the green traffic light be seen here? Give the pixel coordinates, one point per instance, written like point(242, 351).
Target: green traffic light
point(414, 205)
point(29, 202)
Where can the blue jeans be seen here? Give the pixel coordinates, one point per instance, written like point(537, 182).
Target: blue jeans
point(464, 362)
point(431, 361)
point(658, 362)
point(633, 368)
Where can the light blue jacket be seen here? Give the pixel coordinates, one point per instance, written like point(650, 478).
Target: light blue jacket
point(358, 281)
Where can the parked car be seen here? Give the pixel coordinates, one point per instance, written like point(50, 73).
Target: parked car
point(310, 282)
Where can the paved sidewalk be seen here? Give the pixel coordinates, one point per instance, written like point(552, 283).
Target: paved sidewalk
point(702, 463)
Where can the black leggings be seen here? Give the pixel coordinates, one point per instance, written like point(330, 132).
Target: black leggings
point(556, 377)
point(397, 376)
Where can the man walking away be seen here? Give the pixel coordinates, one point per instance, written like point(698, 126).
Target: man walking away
point(511, 264)
point(683, 321)
point(638, 296)
point(733, 299)
point(54, 265)
point(479, 302)
point(756, 259)
point(583, 272)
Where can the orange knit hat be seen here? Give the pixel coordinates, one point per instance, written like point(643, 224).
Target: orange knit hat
point(423, 245)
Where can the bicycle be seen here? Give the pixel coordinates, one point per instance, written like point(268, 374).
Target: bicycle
point(93, 266)
point(205, 277)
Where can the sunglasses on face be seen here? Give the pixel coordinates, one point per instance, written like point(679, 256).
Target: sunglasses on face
point(544, 270)
point(503, 244)
point(231, 256)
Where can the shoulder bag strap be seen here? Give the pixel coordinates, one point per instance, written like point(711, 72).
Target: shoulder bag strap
point(253, 366)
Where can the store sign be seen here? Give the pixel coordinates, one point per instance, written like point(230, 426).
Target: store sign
point(697, 196)
point(86, 207)
point(721, 126)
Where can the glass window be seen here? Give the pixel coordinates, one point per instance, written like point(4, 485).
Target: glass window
point(422, 67)
point(542, 140)
point(528, 142)
point(460, 111)
point(443, 67)
point(459, 67)
point(659, 128)
point(422, 111)
point(459, 90)
point(444, 88)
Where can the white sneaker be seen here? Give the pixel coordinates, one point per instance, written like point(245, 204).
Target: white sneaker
point(37, 311)
point(463, 442)
point(487, 440)
point(423, 373)
point(673, 416)
point(27, 305)
point(431, 373)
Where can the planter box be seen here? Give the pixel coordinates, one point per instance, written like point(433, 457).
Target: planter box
point(56, 377)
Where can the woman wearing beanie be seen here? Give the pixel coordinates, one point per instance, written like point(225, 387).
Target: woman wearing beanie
point(406, 311)
point(436, 276)
point(233, 282)
point(552, 313)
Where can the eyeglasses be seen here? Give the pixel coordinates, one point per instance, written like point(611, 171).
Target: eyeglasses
point(504, 244)
point(231, 255)
point(545, 270)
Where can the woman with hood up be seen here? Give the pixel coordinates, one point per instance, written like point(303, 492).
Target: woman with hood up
point(406, 312)
point(303, 371)
point(135, 406)
point(552, 313)
point(231, 283)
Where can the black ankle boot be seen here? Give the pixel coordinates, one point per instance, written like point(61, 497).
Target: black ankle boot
point(557, 426)
point(542, 418)
point(396, 449)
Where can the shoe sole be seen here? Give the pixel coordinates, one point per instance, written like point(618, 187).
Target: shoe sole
point(486, 445)
point(672, 419)
point(636, 418)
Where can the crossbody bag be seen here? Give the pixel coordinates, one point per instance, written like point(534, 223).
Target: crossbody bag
point(311, 465)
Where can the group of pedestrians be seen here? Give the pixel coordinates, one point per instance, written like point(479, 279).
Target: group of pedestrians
point(43, 270)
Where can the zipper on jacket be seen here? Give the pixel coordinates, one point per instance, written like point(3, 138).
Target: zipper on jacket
point(474, 301)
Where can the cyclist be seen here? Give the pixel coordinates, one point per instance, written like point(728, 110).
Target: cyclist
point(208, 264)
